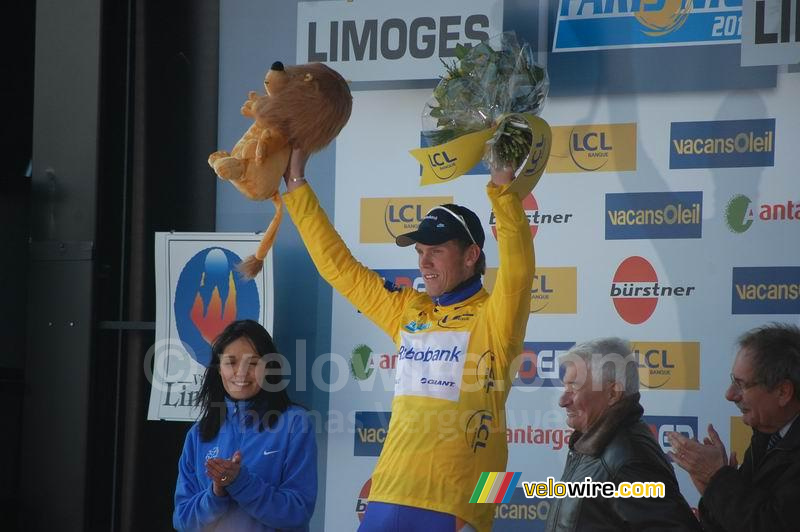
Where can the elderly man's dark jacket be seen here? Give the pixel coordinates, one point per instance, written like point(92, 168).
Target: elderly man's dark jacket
point(619, 447)
point(763, 494)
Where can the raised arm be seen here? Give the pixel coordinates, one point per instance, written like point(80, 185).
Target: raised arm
point(509, 303)
point(357, 283)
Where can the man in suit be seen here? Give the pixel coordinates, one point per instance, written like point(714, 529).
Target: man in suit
point(764, 493)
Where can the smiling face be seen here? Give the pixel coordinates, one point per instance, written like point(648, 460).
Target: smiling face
point(583, 404)
point(445, 266)
point(241, 374)
point(762, 409)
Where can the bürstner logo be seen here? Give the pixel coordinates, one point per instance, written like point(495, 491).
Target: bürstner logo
point(740, 213)
point(766, 290)
point(535, 216)
point(635, 290)
point(602, 24)
point(654, 215)
point(722, 144)
point(363, 499)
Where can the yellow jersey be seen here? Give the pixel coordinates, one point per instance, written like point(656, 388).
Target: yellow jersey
point(453, 367)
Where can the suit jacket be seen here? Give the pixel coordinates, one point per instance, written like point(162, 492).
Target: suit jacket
point(762, 494)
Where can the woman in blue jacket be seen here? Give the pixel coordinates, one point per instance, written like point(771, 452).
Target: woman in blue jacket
point(250, 462)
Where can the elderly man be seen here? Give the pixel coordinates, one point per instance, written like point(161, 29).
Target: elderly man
point(611, 443)
point(764, 493)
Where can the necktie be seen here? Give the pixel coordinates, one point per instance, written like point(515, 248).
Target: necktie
point(773, 440)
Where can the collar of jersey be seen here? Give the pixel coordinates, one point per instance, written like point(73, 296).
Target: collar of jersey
point(460, 293)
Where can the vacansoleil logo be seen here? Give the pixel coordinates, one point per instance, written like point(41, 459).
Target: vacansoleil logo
point(654, 215)
point(766, 290)
point(722, 144)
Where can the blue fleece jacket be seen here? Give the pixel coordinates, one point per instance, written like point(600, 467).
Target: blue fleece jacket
point(277, 484)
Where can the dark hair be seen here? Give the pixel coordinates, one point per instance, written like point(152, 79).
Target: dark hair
point(480, 265)
point(267, 404)
point(774, 351)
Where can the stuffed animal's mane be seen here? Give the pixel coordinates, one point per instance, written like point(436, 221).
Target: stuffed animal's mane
point(298, 111)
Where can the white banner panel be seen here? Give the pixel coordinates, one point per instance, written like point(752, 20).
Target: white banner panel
point(379, 40)
point(198, 293)
point(770, 33)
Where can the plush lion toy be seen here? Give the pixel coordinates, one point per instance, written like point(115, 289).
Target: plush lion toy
point(305, 107)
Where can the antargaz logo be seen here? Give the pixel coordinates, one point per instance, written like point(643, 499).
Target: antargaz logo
point(668, 365)
point(722, 144)
point(604, 24)
point(766, 290)
point(635, 290)
point(654, 215)
point(740, 213)
point(593, 148)
point(384, 219)
point(535, 217)
point(362, 362)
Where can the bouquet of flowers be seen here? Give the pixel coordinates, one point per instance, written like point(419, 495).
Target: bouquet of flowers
point(485, 83)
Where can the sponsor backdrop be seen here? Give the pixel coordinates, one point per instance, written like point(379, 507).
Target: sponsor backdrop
point(669, 213)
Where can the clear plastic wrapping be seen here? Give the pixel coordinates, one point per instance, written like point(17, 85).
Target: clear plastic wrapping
point(486, 82)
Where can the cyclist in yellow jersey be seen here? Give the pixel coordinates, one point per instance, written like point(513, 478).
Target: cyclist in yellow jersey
point(456, 344)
